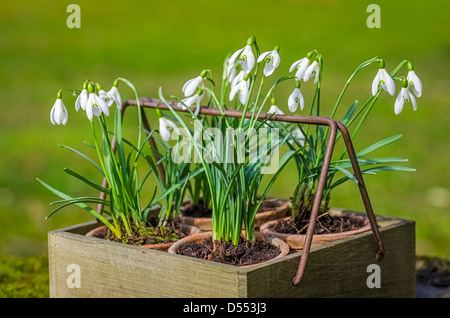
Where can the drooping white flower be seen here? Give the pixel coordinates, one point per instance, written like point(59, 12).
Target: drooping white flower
point(191, 85)
point(237, 79)
point(95, 105)
point(296, 99)
point(59, 114)
point(404, 96)
point(165, 128)
point(272, 59)
point(193, 101)
point(82, 100)
point(109, 100)
point(384, 79)
point(115, 95)
point(246, 56)
point(242, 89)
point(301, 66)
point(415, 82)
point(312, 70)
point(275, 110)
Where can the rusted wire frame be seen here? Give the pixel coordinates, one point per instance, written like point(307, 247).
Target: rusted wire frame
point(311, 120)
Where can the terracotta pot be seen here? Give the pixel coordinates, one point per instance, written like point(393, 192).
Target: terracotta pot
point(205, 223)
point(297, 241)
point(198, 238)
point(189, 229)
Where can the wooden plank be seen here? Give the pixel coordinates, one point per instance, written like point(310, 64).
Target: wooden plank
point(110, 269)
point(340, 269)
point(337, 269)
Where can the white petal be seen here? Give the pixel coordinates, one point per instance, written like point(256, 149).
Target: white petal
point(243, 94)
point(263, 56)
point(311, 70)
point(114, 92)
point(52, 115)
point(389, 85)
point(415, 82)
point(399, 102)
point(376, 82)
point(276, 58)
point(248, 59)
point(275, 110)
point(413, 101)
point(89, 106)
point(238, 79)
point(81, 100)
point(233, 92)
point(234, 56)
point(295, 64)
point(192, 85)
point(296, 99)
point(101, 104)
point(268, 69)
point(163, 130)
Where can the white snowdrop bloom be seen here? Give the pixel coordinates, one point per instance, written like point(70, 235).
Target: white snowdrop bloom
point(246, 56)
point(237, 79)
point(58, 113)
point(191, 85)
point(242, 89)
point(384, 79)
point(414, 82)
point(193, 101)
point(115, 95)
point(404, 96)
point(95, 105)
point(312, 70)
point(109, 100)
point(82, 98)
point(300, 66)
point(295, 100)
point(275, 110)
point(166, 126)
point(272, 59)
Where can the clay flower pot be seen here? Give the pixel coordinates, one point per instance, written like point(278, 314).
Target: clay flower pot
point(297, 241)
point(188, 229)
point(198, 238)
point(275, 209)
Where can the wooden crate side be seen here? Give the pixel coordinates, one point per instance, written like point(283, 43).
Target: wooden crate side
point(340, 269)
point(110, 269)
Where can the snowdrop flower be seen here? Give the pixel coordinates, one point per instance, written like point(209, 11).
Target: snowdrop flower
point(237, 79)
point(272, 59)
point(296, 98)
point(104, 95)
point(384, 79)
point(242, 89)
point(165, 126)
point(312, 70)
point(274, 108)
point(82, 98)
point(403, 97)
point(414, 81)
point(245, 55)
point(95, 105)
point(193, 101)
point(59, 114)
point(301, 66)
point(191, 85)
point(115, 95)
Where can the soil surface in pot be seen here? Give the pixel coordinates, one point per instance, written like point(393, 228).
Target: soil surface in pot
point(202, 211)
point(325, 224)
point(153, 234)
point(246, 253)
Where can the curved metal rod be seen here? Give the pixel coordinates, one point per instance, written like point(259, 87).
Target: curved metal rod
point(312, 120)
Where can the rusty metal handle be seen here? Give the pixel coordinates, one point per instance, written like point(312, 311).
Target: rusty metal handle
point(312, 120)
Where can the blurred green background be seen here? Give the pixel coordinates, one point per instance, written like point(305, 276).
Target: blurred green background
point(164, 43)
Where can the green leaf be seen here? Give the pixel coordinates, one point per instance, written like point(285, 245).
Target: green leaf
point(378, 145)
point(84, 156)
point(89, 182)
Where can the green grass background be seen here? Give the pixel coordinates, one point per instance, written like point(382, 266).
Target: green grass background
point(163, 43)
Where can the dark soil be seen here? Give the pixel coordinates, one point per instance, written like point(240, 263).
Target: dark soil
point(150, 234)
point(202, 211)
point(246, 253)
point(325, 224)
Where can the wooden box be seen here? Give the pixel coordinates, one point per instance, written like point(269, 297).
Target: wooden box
point(88, 267)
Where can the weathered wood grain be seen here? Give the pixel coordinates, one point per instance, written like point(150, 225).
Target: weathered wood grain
point(339, 269)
